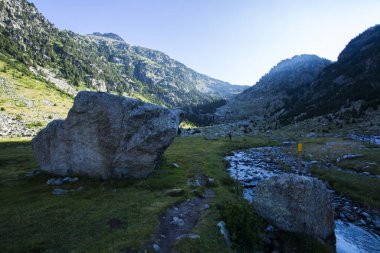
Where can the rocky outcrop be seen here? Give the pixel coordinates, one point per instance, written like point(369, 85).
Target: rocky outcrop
point(11, 127)
point(296, 204)
point(61, 84)
point(106, 136)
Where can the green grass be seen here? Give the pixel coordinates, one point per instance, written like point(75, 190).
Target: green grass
point(330, 149)
point(16, 157)
point(33, 220)
point(34, 124)
point(147, 98)
point(28, 87)
point(370, 162)
point(356, 187)
point(245, 225)
point(327, 149)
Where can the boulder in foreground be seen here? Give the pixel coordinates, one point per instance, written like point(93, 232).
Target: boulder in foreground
point(106, 136)
point(296, 204)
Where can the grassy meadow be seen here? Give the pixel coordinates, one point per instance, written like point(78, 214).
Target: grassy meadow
point(358, 187)
point(34, 220)
point(29, 98)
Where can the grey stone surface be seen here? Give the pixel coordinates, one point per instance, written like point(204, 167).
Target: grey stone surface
point(177, 221)
point(61, 181)
point(296, 204)
point(156, 247)
point(54, 181)
point(225, 232)
point(59, 191)
point(189, 235)
point(106, 136)
point(175, 165)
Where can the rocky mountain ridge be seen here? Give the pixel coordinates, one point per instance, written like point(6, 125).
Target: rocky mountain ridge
point(307, 86)
point(102, 61)
point(271, 93)
point(352, 82)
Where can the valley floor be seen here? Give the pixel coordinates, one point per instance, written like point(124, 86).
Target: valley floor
point(35, 220)
point(125, 216)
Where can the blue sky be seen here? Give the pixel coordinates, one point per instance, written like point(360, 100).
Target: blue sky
point(233, 40)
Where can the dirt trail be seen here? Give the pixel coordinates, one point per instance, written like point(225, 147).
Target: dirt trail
point(179, 220)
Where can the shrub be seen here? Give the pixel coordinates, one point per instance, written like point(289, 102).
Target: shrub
point(2, 109)
point(245, 225)
point(228, 181)
point(34, 124)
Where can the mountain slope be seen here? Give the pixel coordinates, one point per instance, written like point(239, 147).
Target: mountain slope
point(101, 61)
point(354, 77)
point(27, 102)
point(273, 91)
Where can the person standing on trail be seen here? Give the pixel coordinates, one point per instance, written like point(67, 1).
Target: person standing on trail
point(230, 136)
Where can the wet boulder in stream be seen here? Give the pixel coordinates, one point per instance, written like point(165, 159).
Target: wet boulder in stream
point(296, 204)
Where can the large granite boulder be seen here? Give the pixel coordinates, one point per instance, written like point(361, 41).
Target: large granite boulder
point(106, 136)
point(296, 204)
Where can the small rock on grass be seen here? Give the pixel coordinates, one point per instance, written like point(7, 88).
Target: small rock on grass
point(70, 179)
point(349, 156)
point(59, 191)
point(190, 236)
point(175, 192)
point(175, 165)
point(224, 231)
point(33, 172)
point(61, 181)
point(156, 247)
point(54, 181)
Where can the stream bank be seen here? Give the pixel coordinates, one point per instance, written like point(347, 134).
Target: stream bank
point(357, 228)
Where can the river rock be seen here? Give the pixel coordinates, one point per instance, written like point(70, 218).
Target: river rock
point(106, 136)
point(177, 221)
point(296, 204)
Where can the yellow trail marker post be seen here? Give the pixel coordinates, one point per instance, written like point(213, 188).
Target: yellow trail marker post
point(299, 147)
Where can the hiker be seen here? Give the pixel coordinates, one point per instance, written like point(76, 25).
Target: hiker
point(230, 136)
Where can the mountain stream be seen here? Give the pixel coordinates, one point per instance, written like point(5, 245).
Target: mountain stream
point(355, 230)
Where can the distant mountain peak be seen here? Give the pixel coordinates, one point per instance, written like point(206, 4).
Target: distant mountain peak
point(272, 92)
point(109, 36)
point(297, 62)
point(302, 68)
